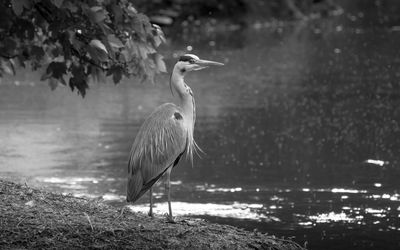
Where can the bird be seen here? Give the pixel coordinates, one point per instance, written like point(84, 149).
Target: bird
point(165, 136)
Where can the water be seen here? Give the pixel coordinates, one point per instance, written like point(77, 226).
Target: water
point(300, 129)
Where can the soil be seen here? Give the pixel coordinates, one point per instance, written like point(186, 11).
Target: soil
point(31, 218)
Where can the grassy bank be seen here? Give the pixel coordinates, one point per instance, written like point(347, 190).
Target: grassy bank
point(32, 218)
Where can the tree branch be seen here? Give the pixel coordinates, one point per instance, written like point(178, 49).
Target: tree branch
point(8, 56)
point(88, 60)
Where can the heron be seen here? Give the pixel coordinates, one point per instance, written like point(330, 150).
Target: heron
point(165, 136)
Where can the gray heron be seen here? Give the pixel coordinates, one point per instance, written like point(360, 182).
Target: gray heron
point(165, 135)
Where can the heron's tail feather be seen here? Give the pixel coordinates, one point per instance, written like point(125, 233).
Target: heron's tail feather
point(136, 187)
point(135, 184)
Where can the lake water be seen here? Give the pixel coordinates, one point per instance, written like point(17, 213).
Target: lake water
point(301, 131)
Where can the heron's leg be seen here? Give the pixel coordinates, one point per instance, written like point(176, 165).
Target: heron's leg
point(168, 186)
point(151, 202)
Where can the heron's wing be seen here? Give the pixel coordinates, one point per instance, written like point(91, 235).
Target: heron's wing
point(149, 184)
point(159, 142)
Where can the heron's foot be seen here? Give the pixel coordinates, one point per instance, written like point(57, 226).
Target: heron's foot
point(150, 213)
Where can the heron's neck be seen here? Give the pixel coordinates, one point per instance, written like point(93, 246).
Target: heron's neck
point(185, 96)
point(188, 106)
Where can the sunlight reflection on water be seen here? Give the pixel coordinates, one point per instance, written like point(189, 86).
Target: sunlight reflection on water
point(333, 217)
point(234, 210)
point(70, 180)
point(268, 203)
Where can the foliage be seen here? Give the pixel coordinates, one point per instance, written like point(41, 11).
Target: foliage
point(79, 40)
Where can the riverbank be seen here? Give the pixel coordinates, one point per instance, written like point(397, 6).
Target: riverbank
point(32, 218)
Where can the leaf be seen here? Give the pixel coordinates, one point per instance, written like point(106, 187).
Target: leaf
point(149, 72)
point(9, 45)
point(37, 52)
point(97, 14)
point(118, 13)
point(157, 41)
point(57, 3)
point(46, 75)
point(145, 49)
point(160, 63)
point(98, 44)
point(132, 49)
point(24, 29)
point(140, 24)
point(126, 56)
point(117, 74)
point(97, 54)
point(78, 45)
point(8, 67)
point(18, 6)
point(56, 70)
point(71, 7)
point(53, 83)
point(96, 74)
point(80, 84)
point(158, 33)
point(78, 71)
point(96, 8)
point(131, 10)
point(114, 41)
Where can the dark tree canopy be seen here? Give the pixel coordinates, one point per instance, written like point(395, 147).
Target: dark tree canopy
point(78, 40)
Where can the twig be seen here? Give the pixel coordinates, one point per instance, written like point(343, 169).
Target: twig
point(88, 218)
point(122, 212)
point(21, 221)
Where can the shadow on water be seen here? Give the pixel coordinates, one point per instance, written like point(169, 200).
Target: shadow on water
point(300, 129)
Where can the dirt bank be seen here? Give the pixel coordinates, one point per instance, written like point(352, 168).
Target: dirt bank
point(32, 218)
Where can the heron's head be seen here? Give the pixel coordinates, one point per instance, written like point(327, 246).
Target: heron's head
point(190, 62)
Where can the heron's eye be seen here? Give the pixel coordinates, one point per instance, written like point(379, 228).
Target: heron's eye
point(191, 61)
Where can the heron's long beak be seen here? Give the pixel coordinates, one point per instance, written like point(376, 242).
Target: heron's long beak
point(208, 63)
point(202, 64)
